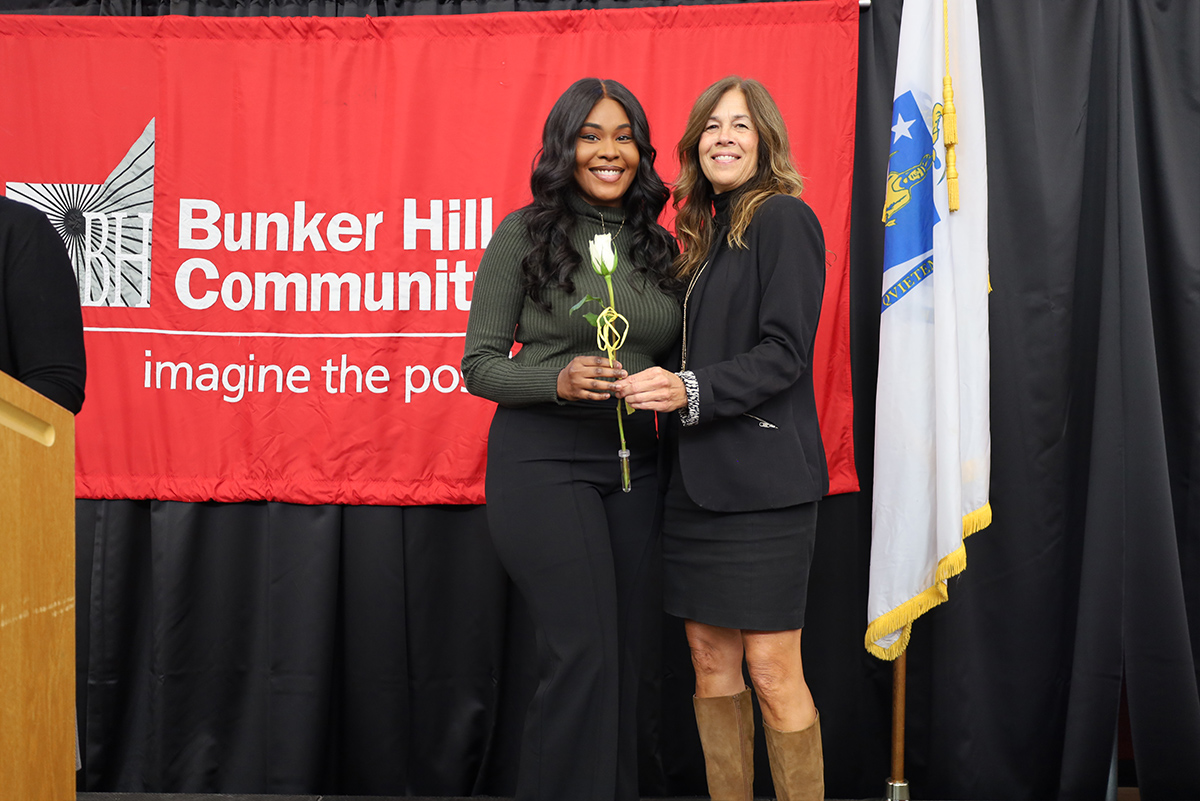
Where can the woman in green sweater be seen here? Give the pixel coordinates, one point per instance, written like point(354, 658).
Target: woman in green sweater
point(582, 551)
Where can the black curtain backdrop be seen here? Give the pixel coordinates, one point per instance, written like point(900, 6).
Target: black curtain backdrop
point(269, 648)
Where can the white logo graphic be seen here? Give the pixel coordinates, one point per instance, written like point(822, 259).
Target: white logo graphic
point(106, 227)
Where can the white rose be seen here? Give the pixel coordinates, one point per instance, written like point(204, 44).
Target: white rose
point(604, 259)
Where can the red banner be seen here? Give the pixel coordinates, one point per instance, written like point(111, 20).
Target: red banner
point(275, 223)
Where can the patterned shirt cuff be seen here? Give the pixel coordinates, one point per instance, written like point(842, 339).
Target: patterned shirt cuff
point(690, 415)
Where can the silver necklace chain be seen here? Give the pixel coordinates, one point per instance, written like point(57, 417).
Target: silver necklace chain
point(618, 233)
point(686, 298)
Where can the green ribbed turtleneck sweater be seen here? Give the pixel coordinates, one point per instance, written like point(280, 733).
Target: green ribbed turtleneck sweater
point(501, 314)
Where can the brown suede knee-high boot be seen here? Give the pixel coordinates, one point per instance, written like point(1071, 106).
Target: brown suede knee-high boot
point(797, 763)
point(726, 726)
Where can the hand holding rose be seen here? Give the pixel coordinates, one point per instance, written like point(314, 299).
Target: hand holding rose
point(654, 389)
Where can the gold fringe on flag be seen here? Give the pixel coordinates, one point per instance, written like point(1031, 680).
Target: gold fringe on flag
point(901, 618)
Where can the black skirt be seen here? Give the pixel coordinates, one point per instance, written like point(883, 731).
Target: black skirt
point(738, 570)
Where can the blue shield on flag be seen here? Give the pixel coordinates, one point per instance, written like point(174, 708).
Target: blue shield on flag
point(909, 210)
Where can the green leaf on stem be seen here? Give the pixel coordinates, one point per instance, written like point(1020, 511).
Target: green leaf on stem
point(586, 298)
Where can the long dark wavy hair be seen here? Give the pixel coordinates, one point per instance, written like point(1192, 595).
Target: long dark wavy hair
point(549, 219)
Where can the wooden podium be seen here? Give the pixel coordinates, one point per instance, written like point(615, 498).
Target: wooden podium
point(37, 596)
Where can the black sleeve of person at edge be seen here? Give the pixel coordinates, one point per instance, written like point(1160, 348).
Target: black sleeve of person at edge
point(41, 323)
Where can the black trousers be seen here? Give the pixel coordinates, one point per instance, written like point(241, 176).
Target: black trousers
point(585, 556)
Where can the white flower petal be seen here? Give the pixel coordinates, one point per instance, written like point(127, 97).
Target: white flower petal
point(604, 260)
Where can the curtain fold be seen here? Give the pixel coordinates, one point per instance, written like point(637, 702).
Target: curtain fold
point(271, 648)
point(1082, 586)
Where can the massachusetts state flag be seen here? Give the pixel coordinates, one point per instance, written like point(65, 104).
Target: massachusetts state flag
point(932, 439)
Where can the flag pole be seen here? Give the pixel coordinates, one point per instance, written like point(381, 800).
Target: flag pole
point(897, 786)
point(933, 380)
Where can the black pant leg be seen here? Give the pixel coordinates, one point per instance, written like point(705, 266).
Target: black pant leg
point(551, 531)
point(637, 559)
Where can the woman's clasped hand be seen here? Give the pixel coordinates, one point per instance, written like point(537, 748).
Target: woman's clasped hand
point(588, 378)
point(655, 389)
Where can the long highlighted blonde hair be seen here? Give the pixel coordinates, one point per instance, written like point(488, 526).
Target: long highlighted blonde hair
point(776, 173)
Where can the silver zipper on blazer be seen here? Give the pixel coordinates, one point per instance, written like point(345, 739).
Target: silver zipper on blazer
point(761, 422)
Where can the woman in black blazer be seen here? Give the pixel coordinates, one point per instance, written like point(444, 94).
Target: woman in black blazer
point(747, 466)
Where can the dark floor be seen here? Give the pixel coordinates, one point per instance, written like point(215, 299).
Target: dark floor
point(204, 797)
point(201, 797)
point(1123, 794)
point(198, 797)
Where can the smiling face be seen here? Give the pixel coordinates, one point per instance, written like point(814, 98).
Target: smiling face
point(606, 157)
point(729, 144)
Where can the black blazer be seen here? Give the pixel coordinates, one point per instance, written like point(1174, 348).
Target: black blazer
point(752, 319)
